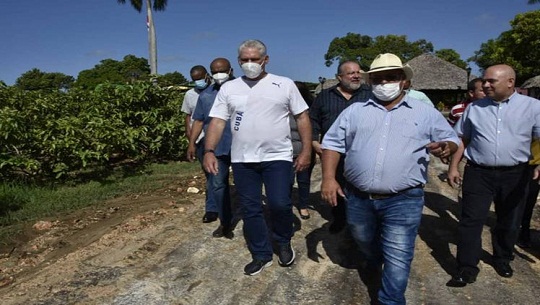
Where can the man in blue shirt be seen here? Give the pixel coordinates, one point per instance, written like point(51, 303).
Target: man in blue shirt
point(219, 184)
point(386, 142)
point(497, 132)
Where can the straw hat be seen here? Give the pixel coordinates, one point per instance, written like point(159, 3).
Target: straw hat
point(389, 61)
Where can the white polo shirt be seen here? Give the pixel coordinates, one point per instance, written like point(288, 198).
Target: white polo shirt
point(188, 107)
point(259, 117)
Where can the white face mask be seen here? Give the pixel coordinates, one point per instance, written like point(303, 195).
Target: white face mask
point(386, 92)
point(220, 78)
point(252, 69)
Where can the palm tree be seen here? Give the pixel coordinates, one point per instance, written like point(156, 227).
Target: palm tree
point(159, 5)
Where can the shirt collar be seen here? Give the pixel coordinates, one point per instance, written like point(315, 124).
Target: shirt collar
point(403, 103)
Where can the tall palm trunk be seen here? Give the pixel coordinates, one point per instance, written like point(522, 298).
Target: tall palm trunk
point(152, 43)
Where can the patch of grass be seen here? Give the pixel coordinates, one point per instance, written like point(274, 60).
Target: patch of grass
point(21, 203)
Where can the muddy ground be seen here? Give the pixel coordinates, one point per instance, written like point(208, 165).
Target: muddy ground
point(153, 249)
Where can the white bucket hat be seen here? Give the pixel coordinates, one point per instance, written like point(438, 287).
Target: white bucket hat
point(389, 61)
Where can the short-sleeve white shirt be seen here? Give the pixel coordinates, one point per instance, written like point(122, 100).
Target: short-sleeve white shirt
point(188, 106)
point(259, 117)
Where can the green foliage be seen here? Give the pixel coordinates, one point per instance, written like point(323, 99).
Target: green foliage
point(36, 79)
point(129, 70)
point(451, 56)
point(364, 48)
point(56, 134)
point(172, 79)
point(518, 47)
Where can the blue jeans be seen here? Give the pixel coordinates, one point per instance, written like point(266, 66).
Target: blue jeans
point(385, 231)
point(249, 179)
point(220, 190)
point(210, 204)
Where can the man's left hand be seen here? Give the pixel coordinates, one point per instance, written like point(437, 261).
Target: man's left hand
point(442, 150)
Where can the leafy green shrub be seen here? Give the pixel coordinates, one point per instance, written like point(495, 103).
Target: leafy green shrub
point(53, 134)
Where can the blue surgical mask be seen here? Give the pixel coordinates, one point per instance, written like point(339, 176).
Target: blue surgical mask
point(201, 83)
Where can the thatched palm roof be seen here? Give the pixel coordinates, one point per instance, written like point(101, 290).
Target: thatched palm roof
point(327, 84)
point(434, 73)
point(533, 82)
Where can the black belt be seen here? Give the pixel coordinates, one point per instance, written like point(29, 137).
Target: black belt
point(501, 168)
point(379, 196)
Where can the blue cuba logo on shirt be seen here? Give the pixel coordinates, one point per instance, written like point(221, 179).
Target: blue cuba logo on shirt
point(238, 120)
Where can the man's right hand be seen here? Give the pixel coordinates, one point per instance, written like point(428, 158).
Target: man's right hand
point(330, 189)
point(191, 152)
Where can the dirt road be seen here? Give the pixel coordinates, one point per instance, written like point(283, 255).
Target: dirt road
point(153, 249)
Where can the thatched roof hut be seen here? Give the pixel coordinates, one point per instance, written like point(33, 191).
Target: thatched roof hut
point(439, 79)
point(434, 73)
point(326, 84)
point(533, 86)
point(533, 82)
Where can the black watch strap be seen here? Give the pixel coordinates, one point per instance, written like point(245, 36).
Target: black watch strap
point(209, 151)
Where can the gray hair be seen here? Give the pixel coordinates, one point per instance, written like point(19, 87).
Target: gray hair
point(253, 43)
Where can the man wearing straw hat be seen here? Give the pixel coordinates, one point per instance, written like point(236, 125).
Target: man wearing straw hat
point(386, 142)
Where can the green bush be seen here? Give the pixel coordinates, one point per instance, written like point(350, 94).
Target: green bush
point(58, 134)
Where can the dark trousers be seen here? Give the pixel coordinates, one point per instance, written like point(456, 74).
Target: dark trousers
point(506, 187)
point(339, 212)
point(249, 179)
point(303, 179)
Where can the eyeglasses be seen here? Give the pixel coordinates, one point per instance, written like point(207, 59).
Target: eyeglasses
point(389, 78)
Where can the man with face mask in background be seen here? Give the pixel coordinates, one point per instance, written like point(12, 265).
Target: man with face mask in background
point(386, 142)
point(324, 111)
point(199, 75)
point(258, 106)
point(219, 183)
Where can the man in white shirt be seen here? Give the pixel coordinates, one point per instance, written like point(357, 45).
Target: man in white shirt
point(258, 106)
point(200, 76)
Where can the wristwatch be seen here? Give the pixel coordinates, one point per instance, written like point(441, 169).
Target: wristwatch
point(209, 151)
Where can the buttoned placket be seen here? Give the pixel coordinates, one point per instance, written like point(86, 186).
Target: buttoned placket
point(381, 150)
point(498, 129)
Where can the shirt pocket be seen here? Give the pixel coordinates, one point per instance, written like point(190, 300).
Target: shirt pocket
point(410, 129)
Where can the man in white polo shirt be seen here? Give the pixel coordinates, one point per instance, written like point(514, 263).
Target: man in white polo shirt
point(258, 106)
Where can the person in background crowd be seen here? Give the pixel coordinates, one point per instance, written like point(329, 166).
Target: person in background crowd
point(328, 104)
point(200, 76)
point(219, 184)
point(258, 105)
point(419, 95)
point(524, 238)
point(474, 92)
point(497, 132)
point(386, 142)
point(303, 178)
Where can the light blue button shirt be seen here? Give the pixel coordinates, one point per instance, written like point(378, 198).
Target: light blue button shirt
point(500, 134)
point(385, 149)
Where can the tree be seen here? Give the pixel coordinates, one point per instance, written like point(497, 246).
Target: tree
point(533, 1)
point(158, 5)
point(518, 47)
point(451, 56)
point(172, 79)
point(130, 69)
point(364, 48)
point(36, 79)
